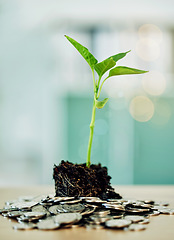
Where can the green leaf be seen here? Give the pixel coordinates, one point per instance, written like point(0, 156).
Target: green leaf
point(119, 56)
point(120, 70)
point(91, 60)
point(104, 66)
point(108, 63)
point(101, 104)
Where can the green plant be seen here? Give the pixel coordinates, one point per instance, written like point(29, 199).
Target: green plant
point(101, 68)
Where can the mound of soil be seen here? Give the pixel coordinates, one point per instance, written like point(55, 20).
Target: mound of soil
point(78, 180)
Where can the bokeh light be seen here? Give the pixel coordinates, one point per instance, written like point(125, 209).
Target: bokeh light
point(148, 45)
point(141, 108)
point(154, 83)
point(150, 31)
point(148, 49)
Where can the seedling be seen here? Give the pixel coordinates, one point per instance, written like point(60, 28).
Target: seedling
point(101, 68)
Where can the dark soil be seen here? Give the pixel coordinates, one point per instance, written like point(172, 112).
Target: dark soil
point(79, 180)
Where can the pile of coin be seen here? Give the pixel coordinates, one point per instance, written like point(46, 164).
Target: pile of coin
point(50, 212)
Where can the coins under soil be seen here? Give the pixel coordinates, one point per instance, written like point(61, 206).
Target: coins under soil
point(47, 212)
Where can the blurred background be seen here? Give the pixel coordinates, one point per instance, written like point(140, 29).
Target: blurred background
point(46, 89)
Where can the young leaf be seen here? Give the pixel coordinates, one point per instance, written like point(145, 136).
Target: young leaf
point(101, 104)
point(108, 63)
point(120, 70)
point(104, 66)
point(119, 56)
point(91, 60)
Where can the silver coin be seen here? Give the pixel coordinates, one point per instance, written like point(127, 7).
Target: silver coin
point(118, 207)
point(88, 210)
point(91, 205)
point(102, 213)
point(14, 214)
point(93, 226)
point(128, 201)
point(5, 214)
point(99, 220)
point(149, 201)
point(164, 203)
point(34, 214)
point(60, 208)
point(23, 205)
point(47, 201)
point(158, 207)
point(137, 210)
point(54, 209)
point(139, 201)
point(47, 224)
point(171, 211)
point(71, 202)
point(165, 211)
point(71, 208)
point(24, 226)
point(119, 201)
point(39, 208)
point(136, 205)
point(95, 211)
point(90, 198)
point(47, 204)
point(3, 210)
point(117, 216)
point(117, 223)
point(134, 219)
point(31, 217)
point(161, 203)
point(145, 205)
point(145, 221)
point(67, 218)
point(8, 209)
point(62, 199)
point(154, 213)
point(136, 227)
point(95, 201)
point(26, 219)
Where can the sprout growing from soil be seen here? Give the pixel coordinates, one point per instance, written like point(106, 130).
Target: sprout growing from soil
point(101, 68)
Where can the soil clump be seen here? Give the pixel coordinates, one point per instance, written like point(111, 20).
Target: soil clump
point(77, 180)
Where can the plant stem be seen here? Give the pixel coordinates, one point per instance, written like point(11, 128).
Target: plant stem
point(93, 80)
point(101, 87)
point(92, 124)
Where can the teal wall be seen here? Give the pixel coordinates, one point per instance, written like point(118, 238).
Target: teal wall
point(154, 147)
point(79, 110)
point(134, 152)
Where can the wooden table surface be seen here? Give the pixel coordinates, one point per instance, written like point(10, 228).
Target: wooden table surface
point(160, 227)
